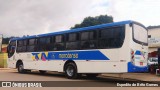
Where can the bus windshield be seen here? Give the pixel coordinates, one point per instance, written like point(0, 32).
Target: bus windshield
point(140, 34)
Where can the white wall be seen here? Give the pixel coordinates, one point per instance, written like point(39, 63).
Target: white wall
point(154, 41)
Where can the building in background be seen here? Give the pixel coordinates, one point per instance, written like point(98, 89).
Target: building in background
point(153, 40)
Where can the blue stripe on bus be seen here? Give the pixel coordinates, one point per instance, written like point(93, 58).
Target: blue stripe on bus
point(133, 68)
point(69, 55)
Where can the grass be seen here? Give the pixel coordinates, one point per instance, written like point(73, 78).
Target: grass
point(3, 60)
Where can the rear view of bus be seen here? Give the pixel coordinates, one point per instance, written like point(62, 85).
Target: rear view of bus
point(138, 48)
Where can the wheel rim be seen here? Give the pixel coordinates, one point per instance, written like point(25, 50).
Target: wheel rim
point(70, 71)
point(20, 68)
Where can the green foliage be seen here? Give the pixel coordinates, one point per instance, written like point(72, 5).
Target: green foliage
point(91, 21)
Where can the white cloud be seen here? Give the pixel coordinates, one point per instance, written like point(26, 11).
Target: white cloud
point(144, 11)
point(29, 17)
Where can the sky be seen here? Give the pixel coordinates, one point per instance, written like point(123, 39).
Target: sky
point(32, 17)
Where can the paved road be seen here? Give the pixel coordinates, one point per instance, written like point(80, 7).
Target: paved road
point(13, 75)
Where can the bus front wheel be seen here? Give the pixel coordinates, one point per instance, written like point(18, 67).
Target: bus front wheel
point(71, 70)
point(21, 68)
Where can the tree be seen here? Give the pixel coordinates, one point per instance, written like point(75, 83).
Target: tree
point(91, 21)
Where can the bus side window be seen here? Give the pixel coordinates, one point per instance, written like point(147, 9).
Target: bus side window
point(21, 45)
point(32, 45)
point(111, 37)
point(85, 40)
point(89, 40)
point(72, 41)
point(59, 43)
point(49, 44)
point(44, 44)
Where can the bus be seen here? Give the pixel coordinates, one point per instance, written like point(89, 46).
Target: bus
point(119, 47)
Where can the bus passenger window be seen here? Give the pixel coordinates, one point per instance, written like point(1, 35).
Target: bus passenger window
point(59, 38)
point(59, 43)
point(89, 40)
point(111, 37)
point(72, 41)
point(84, 35)
point(32, 45)
point(21, 45)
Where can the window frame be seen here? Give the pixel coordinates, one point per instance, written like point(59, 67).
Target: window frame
point(62, 38)
point(121, 27)
point(35, 45)
point(23, 46)
point(62, 42)
point(89, 40)
point(70, 42)
point(45, 44)
point(135, 40)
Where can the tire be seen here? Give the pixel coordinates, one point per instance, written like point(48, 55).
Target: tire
point(21, 68)
point(71, 70)
point(42, 72)
point(92, 75)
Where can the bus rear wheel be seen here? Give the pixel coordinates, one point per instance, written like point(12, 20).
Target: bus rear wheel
point(21, 68)
point(71, 70)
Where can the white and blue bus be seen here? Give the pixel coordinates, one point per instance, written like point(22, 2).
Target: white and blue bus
point(119, 47)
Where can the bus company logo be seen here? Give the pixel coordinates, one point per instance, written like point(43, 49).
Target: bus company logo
point(41, 56)
point(6, 84)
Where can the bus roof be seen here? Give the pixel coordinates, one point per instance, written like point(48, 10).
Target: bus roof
point(78, 29)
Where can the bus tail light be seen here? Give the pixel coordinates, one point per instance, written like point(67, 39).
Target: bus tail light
point(132, 55)
point(141, 63)
point(132, 52)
